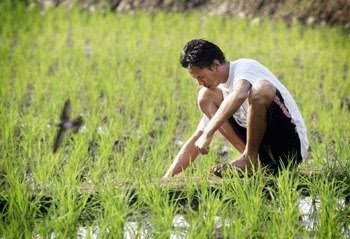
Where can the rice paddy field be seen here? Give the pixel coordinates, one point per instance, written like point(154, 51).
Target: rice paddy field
point(121, 73)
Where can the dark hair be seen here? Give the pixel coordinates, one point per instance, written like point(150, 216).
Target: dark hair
point(201, 53)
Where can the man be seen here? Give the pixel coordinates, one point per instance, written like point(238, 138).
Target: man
point(250, 107)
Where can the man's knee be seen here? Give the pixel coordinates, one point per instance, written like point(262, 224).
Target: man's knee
point(207, 97)
point(262, 92)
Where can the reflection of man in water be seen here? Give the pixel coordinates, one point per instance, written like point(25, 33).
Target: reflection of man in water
point(250, 107)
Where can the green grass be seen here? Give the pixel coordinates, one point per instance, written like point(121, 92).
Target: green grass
point(122, 75)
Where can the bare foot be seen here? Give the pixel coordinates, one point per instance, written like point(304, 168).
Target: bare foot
point(240, 165)
point(246, 162)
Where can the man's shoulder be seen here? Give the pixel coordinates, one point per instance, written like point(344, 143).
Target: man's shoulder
point(248, 64)
point(243, 60)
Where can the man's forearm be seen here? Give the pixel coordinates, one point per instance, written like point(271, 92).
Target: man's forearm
point(225, 111)
point(187, 154)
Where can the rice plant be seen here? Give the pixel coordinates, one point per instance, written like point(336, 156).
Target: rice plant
point(121, 74)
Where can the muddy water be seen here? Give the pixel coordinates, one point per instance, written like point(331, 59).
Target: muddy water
point(308, 207)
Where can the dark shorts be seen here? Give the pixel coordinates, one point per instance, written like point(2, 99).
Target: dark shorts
point(280, 146)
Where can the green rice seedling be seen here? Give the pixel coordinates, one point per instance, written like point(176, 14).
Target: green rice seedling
point(161, 208)
point(20, 210)
point(284, 211)
point(65, 211)
point(122, 75)
point(203, 222)
point(248, 211)
point(113, 215)
point(329, 216)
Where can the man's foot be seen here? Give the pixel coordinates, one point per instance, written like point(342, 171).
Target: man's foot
point(239, 166)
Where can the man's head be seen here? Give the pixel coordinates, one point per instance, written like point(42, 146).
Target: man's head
point(201, 53)
point(204, 61)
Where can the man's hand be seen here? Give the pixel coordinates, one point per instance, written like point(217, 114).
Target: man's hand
point(203, 142)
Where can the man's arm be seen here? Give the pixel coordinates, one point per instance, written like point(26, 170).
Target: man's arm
point(187, 154)
point(227, 108)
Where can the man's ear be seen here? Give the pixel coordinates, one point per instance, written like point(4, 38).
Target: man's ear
point(215, 65)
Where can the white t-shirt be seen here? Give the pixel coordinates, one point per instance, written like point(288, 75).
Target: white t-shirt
point(253, 71)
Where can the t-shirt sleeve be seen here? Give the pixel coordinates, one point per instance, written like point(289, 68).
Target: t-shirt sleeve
point(203, 123)
point(246, 72)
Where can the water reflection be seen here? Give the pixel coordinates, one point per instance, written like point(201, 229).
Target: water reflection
point(309, 208)
point(88, 232)
point(134, 229)
point(180, 227)
point(143, 230)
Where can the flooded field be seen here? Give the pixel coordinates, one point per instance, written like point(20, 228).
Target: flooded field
point(132, 106)
point(142, 228)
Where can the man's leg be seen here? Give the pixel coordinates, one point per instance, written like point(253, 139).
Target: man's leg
point(260, 98)
point(209, 102)
point(281, 138)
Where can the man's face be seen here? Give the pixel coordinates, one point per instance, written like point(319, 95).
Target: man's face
point(205, 77)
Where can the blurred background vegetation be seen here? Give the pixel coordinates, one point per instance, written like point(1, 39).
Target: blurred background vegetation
point(118, 63)
point(310, 12)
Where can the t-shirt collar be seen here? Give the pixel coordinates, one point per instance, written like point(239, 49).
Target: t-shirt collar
point(229, 78)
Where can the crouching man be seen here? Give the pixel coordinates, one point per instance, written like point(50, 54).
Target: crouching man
point(250, 107)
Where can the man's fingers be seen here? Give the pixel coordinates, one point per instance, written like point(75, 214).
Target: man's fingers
point(202, 145)
point(204, 150)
